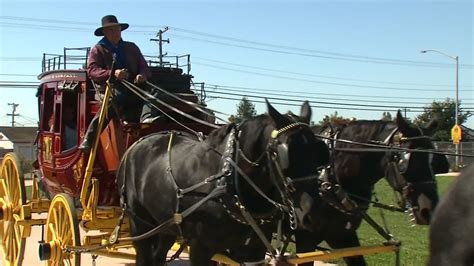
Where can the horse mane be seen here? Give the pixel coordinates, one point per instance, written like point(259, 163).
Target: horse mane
point(219, 135)
point(366, 129)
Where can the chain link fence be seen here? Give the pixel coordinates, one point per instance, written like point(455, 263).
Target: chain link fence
point(464, 148)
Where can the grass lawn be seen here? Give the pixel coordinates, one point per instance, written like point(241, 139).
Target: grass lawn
point(414, 249)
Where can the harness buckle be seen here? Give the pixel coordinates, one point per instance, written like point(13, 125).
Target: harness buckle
point(178, 218)
point(114, 235)
point(274, 134)
point(179, 193)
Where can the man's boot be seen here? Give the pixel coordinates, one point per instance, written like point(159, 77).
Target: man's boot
point(86, 144)
point(149, 114)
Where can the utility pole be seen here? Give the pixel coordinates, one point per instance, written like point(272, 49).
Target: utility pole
point(160, 44)
point(13, 114)
point(456, 137)
point(405, 112)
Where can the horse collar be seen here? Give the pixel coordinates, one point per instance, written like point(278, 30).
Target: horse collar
point(229, 152)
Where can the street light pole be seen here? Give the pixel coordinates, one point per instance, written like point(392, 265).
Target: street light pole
point(456, 58)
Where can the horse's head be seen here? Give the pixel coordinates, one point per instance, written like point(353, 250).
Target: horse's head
point(420, 189)
point(299, 152)
point(284, 149)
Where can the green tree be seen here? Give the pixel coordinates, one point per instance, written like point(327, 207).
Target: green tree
point(387, 116)
point(335, 119)
point(444, 111)
point(245, 110)
point(231, 119)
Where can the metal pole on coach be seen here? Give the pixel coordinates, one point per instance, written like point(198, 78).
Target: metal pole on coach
point(456, 131)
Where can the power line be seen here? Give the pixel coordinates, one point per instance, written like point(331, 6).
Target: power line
point(290, 49)
point(253, 89)
point(316, 95)
point(288, 94)
point(320, 82)
point(324, 76)
point(25, 86)
point(312, 105)
point(335, 105)
point(20, 58)
point(62, 28)
point(421, 64)
point(29, 119)
point(19, 82)
point(17, 75)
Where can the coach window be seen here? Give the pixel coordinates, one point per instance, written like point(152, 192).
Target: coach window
point(47, 104)
point(69, 120)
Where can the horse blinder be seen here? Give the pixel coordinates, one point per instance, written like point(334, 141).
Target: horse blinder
point(282, 153)
point(403, 161)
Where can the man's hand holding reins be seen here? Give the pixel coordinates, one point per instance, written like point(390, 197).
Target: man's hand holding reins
point(121, 74)
point(139, 79)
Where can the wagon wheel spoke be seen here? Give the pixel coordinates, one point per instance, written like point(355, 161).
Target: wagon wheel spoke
point(9, 241)
point(63, 230)
point(12, 196)
point(52, 229)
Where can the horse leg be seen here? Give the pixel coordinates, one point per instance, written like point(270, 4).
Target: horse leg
point(252, 252)
point(143, 248)
point(144, 252)
point(306, 242)
point(200, 254)
point(346, 239)
point(163, 244)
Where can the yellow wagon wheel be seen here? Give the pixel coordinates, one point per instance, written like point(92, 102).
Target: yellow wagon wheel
point(62, 232)
point(12, 197)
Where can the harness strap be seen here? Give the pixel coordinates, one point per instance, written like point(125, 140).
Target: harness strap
point(169, 170)
point(378, 228)
point(178, 252)
point(147, 97)
point(194, 105)
point(251, 221)
point(158, 229)
point(389, 147)
point(256, 188)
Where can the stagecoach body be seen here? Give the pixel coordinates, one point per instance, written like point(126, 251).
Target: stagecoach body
point(67, 102)
point(62, 164)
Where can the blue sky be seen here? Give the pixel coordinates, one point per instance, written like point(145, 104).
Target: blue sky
point(348, 52)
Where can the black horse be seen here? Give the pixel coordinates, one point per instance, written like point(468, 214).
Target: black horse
point(206, 190)
point(356, 168)
point(452, 226)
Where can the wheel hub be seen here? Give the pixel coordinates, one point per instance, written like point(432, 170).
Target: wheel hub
point(6, 212)
point(50, 251)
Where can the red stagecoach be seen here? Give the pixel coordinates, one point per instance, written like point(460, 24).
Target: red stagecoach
point(76, 187)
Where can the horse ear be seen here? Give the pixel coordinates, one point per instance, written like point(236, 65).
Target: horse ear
point(305, 113)
point(402, 124)
point(275, 116)
point(431, 126)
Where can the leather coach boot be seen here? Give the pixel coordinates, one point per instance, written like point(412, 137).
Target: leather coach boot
point(86, 144)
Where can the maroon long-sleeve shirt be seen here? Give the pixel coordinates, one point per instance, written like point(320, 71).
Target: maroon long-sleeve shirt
point(100, 61)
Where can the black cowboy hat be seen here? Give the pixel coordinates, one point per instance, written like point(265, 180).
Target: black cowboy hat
point(109, 21)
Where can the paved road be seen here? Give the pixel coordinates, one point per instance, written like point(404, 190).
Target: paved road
point(32, 259)
point(31, 253)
